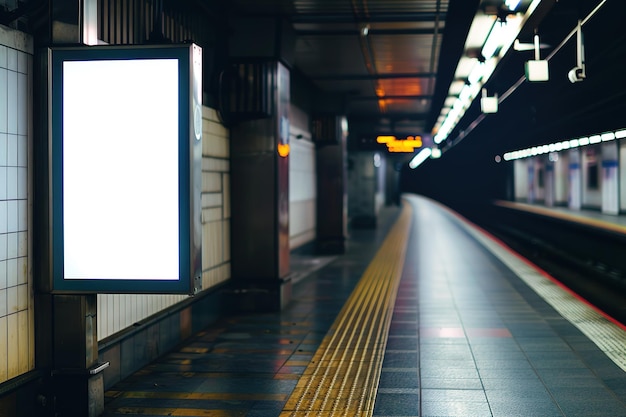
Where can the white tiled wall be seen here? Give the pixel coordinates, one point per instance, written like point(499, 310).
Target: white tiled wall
point(302, 179)
point(215, 200)
point(16, 293)
point(119, 311)
point(302, 190)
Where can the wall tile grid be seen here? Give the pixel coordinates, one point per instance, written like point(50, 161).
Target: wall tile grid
point(16, 295)
point(215, 200)
point(302, 192)
point(119, 311)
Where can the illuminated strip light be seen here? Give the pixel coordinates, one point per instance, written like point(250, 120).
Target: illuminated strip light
point(502, 36)
point(477, 73)
point(564, 145)
point(512, 4)
point(462, 103)
point(494, 39)
point(608, 136)
point(420, 158)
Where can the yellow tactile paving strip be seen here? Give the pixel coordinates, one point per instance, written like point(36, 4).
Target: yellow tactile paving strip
point(342, 378)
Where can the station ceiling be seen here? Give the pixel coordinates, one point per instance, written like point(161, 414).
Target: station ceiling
point(393, 60)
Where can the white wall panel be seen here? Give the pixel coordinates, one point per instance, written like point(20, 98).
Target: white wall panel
point(302, 189)
point(16, 303)
point(591, 196)
point(561, 172)
point(4, 96)
point(622, 175)
point(117, 312)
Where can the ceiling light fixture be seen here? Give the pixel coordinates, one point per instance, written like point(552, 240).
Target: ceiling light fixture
point(496, 43)
point(488, 104)
point(577, 73)
point(420, 158)
point(564, 145)
point(537, 69)
point(512, 4)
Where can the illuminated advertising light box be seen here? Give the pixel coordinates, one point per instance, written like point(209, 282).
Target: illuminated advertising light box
point(125, 145)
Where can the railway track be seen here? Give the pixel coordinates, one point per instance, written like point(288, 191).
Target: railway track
point(591, 261)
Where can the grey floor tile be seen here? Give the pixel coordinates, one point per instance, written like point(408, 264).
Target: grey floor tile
point(451, 383)
point(455, 409)
point(397, 405)
point(398, 380)
point(588, 406)
point(450, 373)
point(454, 395)
point(524, 408)
point(498, 364)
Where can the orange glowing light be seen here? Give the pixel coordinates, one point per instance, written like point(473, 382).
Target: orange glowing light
point(283, 150)
point(407, 144)
point(382, 105)
point(385, 138)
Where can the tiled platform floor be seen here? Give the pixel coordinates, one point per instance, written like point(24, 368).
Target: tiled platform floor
point(468, 338)
point(247, 365)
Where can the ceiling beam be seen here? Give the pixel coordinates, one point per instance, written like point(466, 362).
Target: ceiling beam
point(391, 97)
point(348, 17)
point(366, 77)
point(372, 32)
point(393, 117)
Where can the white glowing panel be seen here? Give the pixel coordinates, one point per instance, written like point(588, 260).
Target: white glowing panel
point(120, 169)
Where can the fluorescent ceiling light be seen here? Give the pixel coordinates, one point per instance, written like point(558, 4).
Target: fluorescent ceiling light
point(564, 145)
point(420, 158)
point(477, 73)
point(512, 4)
point(608, 136)
point(494, 39)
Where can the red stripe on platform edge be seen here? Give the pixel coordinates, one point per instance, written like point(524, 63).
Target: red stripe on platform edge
point(532, 265)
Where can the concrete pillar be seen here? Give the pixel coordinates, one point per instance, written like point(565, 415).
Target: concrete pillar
point(575, 180)
point(260, 204)
point(66, 329)
point(260, 51)
point(363, 189)
point(332, 197)
point(392, 181)
point(78, 382)
point(610, 178)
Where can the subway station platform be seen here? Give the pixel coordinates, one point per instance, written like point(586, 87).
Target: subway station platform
point(424, 316)
point(588, 217)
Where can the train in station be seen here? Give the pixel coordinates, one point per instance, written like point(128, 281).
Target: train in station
point(312, 207)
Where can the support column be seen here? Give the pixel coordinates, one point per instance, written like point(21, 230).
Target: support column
point(392, 181)
point(332, 198)
point(363, 184)
point(549, 183)
point(260, 50)
point(78, 382)
point(66, 325)
point(575, 180)
point(260, 205)
point(610, 178)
